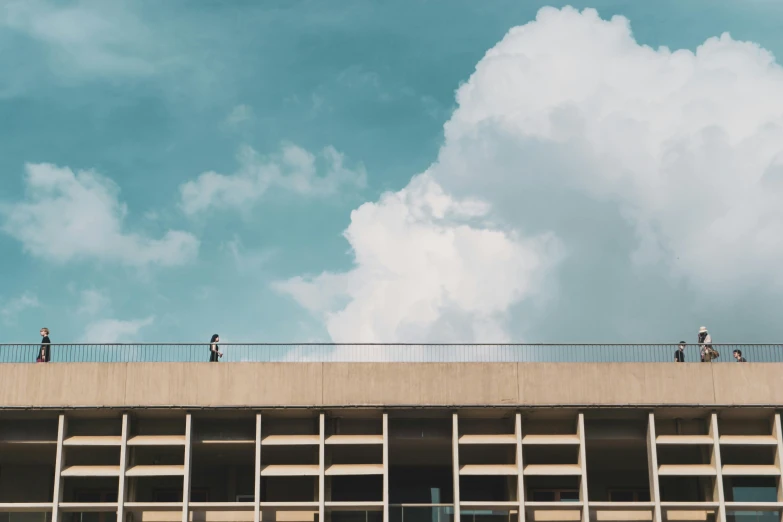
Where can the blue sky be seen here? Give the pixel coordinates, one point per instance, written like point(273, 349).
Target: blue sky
point(305, 111)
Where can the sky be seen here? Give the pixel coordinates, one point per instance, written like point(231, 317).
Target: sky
point(407, 171)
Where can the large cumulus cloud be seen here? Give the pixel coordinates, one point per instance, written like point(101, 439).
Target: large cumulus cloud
point(660, 172)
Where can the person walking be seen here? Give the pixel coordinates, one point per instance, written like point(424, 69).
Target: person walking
point(214, 349)
point(45, 353)
point(738, 356)
point(708, 353)
point(679, 355)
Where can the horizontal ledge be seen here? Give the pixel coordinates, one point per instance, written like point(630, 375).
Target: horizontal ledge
point(290, 470)
point(621, 505)
point(552, 469)
point(354, 469)
point(290, 504)
point(27, 442)
point(489, 504)
point(88, 506)
point(157, 440)
point(353, 506)
point(91, 471)
point(702, 440)
point(238, 442)
point(553, 440)
point(488, 469)
point(155, 471)
point(153, 506)
point(221, 506)
point(754, 506)
point(686, 470)
point(355, 503)
point(488, 439)
point(354, 439)
point(750, 470)
point(748, 440)
point(25, 507)
point(623, 515)
point(690, 505)
point(291, 440)
point(560, 506)
point(85, 440)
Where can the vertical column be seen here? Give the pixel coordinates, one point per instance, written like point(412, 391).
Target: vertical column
point(257, 487)
point(385, 467)
point(520, 468)
point(455, 462)
point(580, 428)
point(322, 468)
point(652, 467)
point(718, 467)
point(778, 434)
point(186, 477)
point(123, 469)
point(59, 463)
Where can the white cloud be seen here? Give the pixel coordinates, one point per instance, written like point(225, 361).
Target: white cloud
point(654, 168)
point(426, 270)
point(77, 215)
point(13, 307)
point(114, 330)
point(688, 146)
point(93, 302)
point(293, 169)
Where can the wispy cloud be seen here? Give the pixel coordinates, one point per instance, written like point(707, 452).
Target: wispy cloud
point(239, 115)
point(94, 302)
point(15, 306)
point(71, 215)
point(85, 38)
point(293, 169)
point(114, 330)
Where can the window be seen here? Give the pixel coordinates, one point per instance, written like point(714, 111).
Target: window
point(629, 495)
point(554, 495)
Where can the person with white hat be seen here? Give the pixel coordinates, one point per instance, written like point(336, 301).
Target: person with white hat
point(705, 342)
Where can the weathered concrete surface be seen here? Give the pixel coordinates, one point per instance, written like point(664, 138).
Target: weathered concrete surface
point(420, 384)
point(615, 383)
point(124, 385)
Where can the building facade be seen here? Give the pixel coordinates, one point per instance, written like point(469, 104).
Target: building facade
point(422, 442)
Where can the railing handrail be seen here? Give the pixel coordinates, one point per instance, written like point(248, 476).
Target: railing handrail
point(383, 352)
point(201, 343)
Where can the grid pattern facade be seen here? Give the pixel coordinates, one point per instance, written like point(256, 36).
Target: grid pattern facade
point(547, 465)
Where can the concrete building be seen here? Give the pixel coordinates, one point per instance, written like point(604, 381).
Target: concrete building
point(399, 442)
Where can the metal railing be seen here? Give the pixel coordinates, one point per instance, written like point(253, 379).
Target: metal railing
point(446, 353)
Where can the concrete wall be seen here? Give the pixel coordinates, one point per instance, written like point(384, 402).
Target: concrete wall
point(60, 385)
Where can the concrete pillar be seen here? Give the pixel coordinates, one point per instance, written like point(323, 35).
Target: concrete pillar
point(716, 461)
point(59, 464)
point(455, 462)
point(652, 468)
point(123, 468)
point(257, 487)
point(186, 477)
point(385, 467)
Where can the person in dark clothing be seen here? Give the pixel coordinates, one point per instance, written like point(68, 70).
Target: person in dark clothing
point(214, 349)
point(679, 355)
point(44, 355)
point(738, 356)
